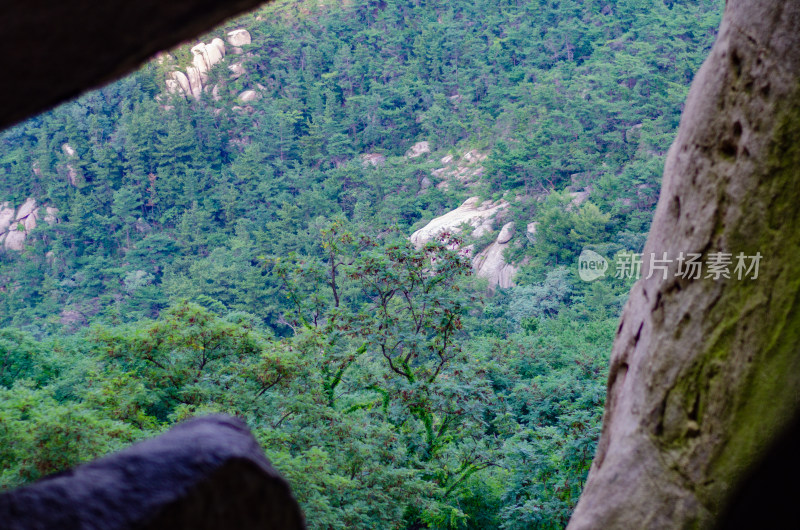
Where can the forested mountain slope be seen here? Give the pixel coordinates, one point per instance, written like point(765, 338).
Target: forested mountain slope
point(244, 249)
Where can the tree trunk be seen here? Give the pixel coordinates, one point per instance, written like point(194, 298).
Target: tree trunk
point(705, 373)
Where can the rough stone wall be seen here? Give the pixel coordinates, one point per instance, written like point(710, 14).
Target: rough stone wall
point(205, 474)
point(704, 373)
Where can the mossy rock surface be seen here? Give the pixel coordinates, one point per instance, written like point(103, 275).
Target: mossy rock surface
point(705, 372)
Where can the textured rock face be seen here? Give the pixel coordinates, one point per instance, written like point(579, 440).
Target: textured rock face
point(704, 373)
point(373, 159)
point(418, 149)
point(472, 212)
point(27, 208)
point(195, 82)
point(6, 216)
point(182, 81)
point(219, 44)
point(68, 150)
point(51, 214)
point(237, 70)
point(248, 95)
point(172, 86)
point(14, 239)
point(239, 37)
point(204, 57)
point(207, 473)
point(15, 224)
point(506, 233)
point(214, 51)
point(72, 173)
point(491, 264)
point(578, 198)
point(466, 169)
point(530, 231)
point(199, 60)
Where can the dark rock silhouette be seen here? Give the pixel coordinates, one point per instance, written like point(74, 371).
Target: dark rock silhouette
point(206, 473)
point(62, 48)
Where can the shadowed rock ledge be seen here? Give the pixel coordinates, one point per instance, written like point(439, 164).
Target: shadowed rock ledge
point(62, 48)
point(706, 373)
point(207, 473)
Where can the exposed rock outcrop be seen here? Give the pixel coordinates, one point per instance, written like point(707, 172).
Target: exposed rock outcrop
point(633, 134)
point(237, 70)
point(373, 159)
point(419, 149)
point(474, 156)
point(68, 150)
point(26, 209)
point(195, 82)
point(14, 239)
point(506, 233)
point(172, 86)
point(491, 264)
point(215, 95)
point(199, 61)
point(705, 372)
point(182, 81)
point(239, 37)
point(578, 198)
point(248, 95)
point(72, 173)
point(215, 51)
point(466, 169)
point(473, 212)
point(50, 215)
point(530, 231)
point(6, 216)
point(16, 224)
point(204, 57)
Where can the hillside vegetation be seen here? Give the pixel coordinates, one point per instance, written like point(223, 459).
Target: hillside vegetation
point(238, 252)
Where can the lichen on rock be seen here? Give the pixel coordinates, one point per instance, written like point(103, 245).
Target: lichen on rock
point(705, 373)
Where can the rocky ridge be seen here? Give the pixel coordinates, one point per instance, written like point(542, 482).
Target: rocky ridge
point(192, 83)
point(466, 169)
point(16, 224)
point(481, 215)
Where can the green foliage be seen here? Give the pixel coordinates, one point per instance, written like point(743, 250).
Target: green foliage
point(249, 261)
point(39, 435)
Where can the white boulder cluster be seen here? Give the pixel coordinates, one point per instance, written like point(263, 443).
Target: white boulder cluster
point(15, 224)
point(473, 213)
point(489, 263)
point(419, 149)
point(72, 173)
point(204, 57)
point(373, 159)
point(466, 169)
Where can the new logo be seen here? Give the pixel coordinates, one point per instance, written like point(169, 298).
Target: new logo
point(591, 265)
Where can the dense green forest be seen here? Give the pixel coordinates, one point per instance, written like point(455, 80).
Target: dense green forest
point(240, 254)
